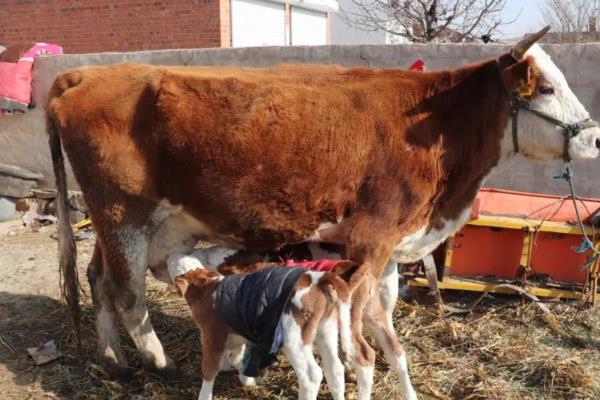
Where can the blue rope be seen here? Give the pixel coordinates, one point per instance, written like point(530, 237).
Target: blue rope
point(586, 243)
point(584, 246)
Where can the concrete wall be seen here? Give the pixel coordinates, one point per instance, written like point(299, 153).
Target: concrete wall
point(23, 142)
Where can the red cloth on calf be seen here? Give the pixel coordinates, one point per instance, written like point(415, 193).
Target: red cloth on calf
point(316, 265)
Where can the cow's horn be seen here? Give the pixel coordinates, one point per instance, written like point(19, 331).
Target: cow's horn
point(521, 48)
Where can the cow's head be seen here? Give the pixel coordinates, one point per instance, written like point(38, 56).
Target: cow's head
point(536, 82)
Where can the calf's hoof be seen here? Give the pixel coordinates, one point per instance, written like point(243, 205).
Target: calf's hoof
point(248, 381)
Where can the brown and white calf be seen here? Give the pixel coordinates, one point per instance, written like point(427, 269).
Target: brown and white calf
point(322, 307)
point(218, 256)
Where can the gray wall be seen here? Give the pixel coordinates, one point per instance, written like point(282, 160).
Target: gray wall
point(23, 142)
point(342, 33)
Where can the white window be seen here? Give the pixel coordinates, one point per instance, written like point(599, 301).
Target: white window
point(308, 27)
point(257, 23)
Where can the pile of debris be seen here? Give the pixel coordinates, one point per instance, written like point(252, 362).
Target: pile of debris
point(21, 197)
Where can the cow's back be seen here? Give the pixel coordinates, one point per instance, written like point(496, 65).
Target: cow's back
point(264, 155)
point(272, 154)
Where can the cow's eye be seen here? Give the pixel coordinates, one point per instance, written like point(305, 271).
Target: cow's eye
point(545, 90)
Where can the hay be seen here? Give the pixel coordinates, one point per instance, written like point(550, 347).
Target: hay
point(502, 349)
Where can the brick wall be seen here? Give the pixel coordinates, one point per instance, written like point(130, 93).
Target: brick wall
point(100, 26)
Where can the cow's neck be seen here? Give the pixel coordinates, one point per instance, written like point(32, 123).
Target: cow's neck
point(471, 146)
point(476, 142)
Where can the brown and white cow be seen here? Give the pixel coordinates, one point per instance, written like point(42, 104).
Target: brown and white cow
point(385, 162)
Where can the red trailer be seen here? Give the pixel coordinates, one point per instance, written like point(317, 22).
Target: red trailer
point(525, 238)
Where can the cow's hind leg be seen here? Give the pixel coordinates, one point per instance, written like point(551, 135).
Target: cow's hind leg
point(109, 346)
point(166, 231)
point(125, 254)
point(130, 297)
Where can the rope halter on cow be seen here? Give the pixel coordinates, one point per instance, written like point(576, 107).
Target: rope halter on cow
point(518, 103)
point(569, 130)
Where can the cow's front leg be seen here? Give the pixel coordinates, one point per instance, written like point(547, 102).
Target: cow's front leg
point(376, 318)
point(377, 324)
point(388, 288)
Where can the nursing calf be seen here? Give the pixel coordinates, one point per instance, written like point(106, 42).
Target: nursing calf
point(317, 308)
point(312, 255)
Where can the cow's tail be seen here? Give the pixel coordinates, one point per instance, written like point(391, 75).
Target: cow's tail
point(67, 251)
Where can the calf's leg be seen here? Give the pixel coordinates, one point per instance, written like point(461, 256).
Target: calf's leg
point(360, 354)
point(213, 350)
point(327, 343)
point(235, 357)
point(300, 356)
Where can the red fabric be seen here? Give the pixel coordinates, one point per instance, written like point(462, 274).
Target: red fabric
point(419, 65)
point(15, 73)
point(15, 81)
point(317, 265)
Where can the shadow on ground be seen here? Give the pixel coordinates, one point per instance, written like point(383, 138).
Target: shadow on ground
point(30, 320)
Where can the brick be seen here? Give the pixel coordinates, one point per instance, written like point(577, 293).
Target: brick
point(103, 26)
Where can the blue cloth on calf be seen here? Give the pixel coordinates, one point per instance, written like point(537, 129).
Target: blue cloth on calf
point(252, 305)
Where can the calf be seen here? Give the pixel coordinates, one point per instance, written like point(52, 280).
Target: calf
point(325, 256)
point(363, 300)
point(315, 311)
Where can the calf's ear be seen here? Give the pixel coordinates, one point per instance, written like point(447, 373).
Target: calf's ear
point(518, 78)
point(182, 285)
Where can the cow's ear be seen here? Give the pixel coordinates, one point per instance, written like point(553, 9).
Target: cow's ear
point(182, 285)
point(517, 78)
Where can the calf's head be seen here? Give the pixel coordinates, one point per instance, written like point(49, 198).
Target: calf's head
point(535, 82)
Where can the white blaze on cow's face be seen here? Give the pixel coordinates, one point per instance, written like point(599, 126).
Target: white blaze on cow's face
point(540, 140)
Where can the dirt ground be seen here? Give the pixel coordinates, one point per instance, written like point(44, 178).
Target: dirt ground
point(501, 349)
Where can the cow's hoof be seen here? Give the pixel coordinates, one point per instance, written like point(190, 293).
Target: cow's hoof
point(118, 372)
point(168, 373)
